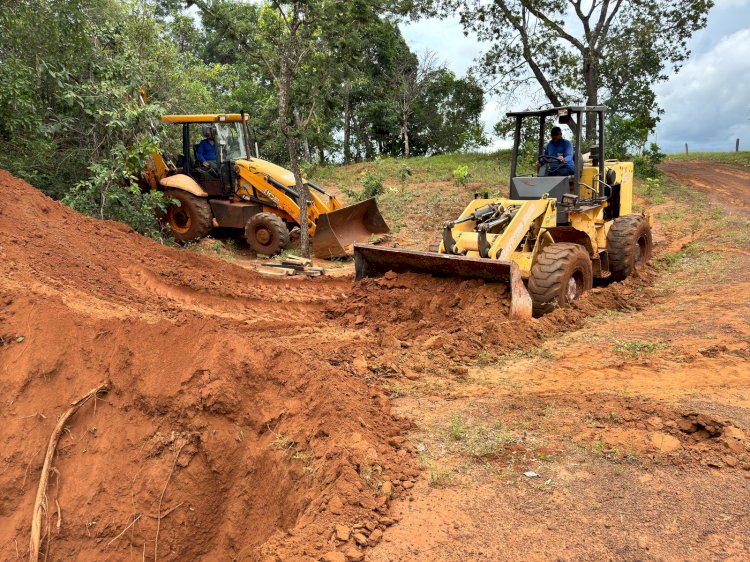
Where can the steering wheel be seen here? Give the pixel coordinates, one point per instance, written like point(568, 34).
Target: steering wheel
point(546, 159)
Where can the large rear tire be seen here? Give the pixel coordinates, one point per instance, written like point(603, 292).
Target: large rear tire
point(629, 245)
point(560, 275)
point(191, 219)
point(266, 234)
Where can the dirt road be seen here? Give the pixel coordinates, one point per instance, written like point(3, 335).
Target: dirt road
point(727, 185)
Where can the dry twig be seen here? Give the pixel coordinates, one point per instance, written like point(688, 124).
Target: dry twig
point(40, 503)
point(158, 511)
point(136, 518)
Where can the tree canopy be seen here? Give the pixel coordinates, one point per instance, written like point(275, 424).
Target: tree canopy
point(608, 52)
point(70, 73)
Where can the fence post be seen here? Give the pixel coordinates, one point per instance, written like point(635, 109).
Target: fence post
point(737, 145)
point(686, 149)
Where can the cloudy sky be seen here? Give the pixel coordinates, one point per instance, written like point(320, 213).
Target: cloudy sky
point(706, 104)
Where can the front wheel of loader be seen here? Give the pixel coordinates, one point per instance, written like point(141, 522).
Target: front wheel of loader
point(629, 245)
point(560, 275)
point(266, 233)
point(191, 219)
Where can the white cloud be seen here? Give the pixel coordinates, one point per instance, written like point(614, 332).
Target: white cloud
point(707, 104)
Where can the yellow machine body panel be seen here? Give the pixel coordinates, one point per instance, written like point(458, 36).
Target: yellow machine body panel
point(516, 239)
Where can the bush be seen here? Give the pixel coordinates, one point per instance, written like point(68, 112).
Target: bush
point(372, 186)
point(646, 164)
point(404, 173)
point(461, 175)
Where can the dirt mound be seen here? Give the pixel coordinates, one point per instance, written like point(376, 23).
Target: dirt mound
point(422, 324)
point(225, 429)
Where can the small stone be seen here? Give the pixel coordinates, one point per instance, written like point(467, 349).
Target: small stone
point(734, 432)
point(353, 554)
point(408, 484)
point(734, 445)
point(336, 506)
point(360, 539)
point(343, 533)
point(665, 443)
point(654, 422)
point(371, 525)
point(460, 371)
point(530, 474)
point(729, 460)
point(387, 521)
point(375, 536)
point(386, 489)
point(333, 556)
point(360, 364)
point(360, 319)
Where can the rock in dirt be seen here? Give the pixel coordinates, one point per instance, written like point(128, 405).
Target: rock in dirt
point(360, 539)
point(375, 536)
point(386, 489)
point(342, 532)
point(333, 557)
point(353, 554)
point(665, 443)
point(734, 433)
point(336, 506)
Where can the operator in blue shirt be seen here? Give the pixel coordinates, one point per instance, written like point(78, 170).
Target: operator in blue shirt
point(206, 152)
point(558, 156)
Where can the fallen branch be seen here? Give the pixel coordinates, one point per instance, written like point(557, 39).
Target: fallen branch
point(160, 516)
point(40, 503)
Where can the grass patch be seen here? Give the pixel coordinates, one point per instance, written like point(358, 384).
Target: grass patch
point(638, 348)
point(490, 169)
point(741, 158)
point(477, 440)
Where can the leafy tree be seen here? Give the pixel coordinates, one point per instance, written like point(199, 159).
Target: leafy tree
point(72, 123)
point(610, 51)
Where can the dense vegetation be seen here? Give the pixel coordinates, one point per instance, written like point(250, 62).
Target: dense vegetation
point(324, 81)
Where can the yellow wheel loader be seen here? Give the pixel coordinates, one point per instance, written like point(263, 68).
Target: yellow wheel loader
point(555, 233)
point(241, 191)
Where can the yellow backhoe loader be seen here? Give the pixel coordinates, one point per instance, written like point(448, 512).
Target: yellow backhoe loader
point(242, 191)
point(556, 233)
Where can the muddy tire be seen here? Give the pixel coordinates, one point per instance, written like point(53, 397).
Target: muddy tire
point(266, 234)
point(191, 219)
point(629, 245)
point(560, 275)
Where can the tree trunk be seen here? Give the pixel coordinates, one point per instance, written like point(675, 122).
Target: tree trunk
point(285, 87)
point(347, 123)
point(305, 142)
point(405, 132)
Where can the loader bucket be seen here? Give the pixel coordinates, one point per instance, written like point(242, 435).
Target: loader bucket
point(374, 261)
point(338, 230)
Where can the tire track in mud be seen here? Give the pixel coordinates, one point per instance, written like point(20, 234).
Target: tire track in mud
point(259, 302)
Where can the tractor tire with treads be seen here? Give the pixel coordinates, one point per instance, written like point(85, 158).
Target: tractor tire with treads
point(266, 234)
point(191, 219)
point(560, 275)
point(629, 245)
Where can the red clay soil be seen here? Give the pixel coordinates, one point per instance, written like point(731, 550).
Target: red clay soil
point(247, 415)
point(224, 429)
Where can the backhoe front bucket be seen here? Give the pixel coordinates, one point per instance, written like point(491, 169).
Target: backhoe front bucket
point(338, 230)
point(374, 261)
